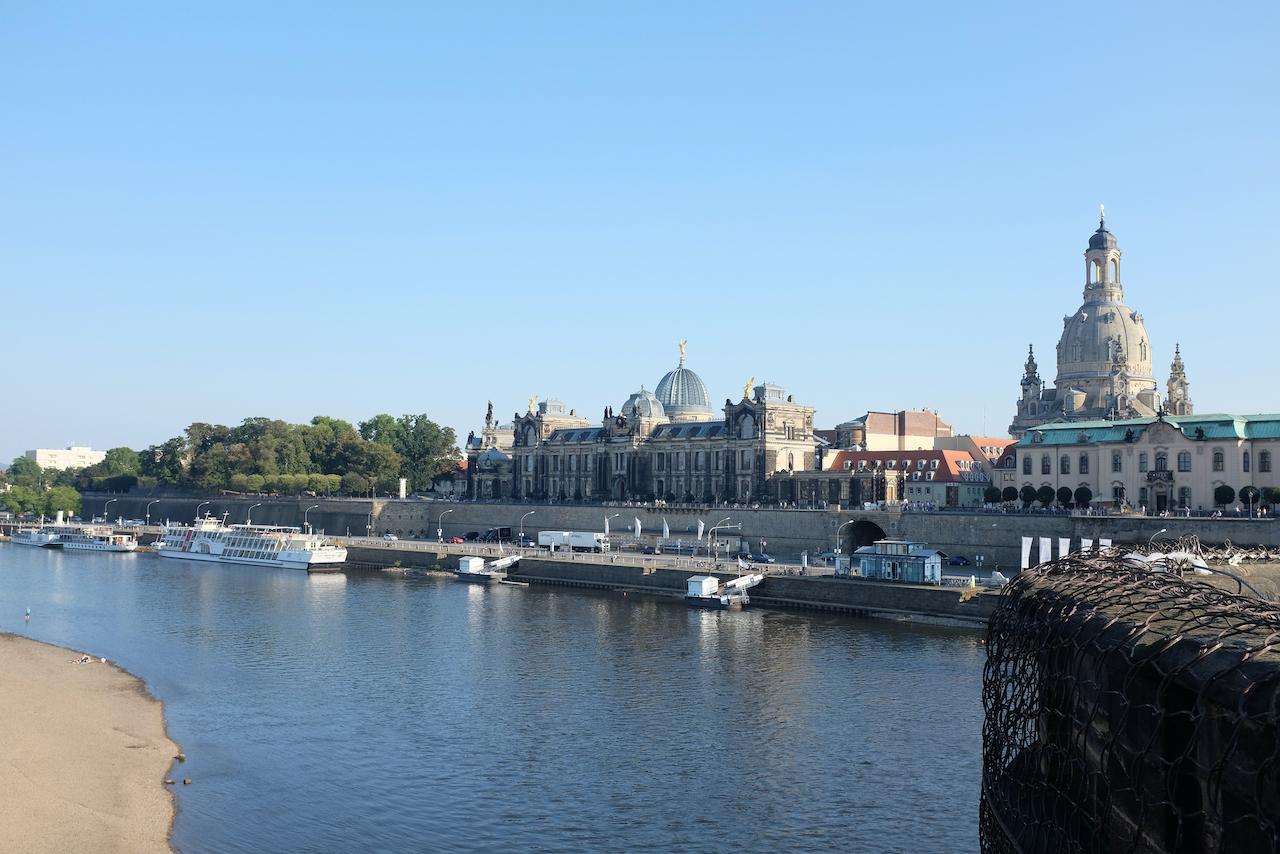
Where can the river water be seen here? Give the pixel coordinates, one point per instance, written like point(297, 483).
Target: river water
point(373, 712)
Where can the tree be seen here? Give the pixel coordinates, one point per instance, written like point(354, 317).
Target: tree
point(121, 461)
point(1249, 496)
point(1045, 495)
point(991, 494)
point(1223, 495)
point(384, 429)
point(1009, 494)
point(1271, 494)
point(1084, 495)
point(354, 483)
point(1028, 495)
point(254, 483)
point(62, 498)
point(21, 499)
point(1064, 496)
point(24, 471)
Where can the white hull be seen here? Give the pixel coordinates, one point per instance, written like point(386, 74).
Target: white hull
point(40, 544)
point(341, 555)
point(100, 547)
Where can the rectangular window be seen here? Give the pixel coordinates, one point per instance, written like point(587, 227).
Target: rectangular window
point(1142, 461)
point(1115, 461)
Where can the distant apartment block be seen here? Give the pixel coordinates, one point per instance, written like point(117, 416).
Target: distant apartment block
point(74, 457)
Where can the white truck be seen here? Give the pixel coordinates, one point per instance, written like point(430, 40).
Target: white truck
point(553, 540)
point(588, 541)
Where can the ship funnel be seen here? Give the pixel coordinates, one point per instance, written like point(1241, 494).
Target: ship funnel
point(59, 522)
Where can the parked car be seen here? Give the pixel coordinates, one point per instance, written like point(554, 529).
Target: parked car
point(828, 556)
point(958, 560)
point(471, 536)
point(760, 557)
point(391, 537)
point(526, 540)
point(456, 541)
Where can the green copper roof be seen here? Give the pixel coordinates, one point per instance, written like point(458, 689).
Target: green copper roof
point(1210, 427)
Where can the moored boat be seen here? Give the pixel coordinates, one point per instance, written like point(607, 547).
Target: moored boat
point(36, 536)
point(260, 545)
point(474, 569)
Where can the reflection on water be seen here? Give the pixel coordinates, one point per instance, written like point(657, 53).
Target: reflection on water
point(383, 712)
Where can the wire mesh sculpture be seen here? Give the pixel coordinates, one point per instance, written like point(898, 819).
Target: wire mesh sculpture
point(1129, 710)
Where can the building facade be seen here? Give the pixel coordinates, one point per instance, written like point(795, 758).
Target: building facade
point(666, 444)
point(73, 457)
point(1161, 463)
point(1103, 356)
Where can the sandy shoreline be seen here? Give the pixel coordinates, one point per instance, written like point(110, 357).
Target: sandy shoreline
point(83, 755)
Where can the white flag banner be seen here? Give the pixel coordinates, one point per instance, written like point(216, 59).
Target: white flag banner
point(1046, 549)
point(742, 564)
point(1064, 546)
point(666, 529)
point(1026, 552)
point(637, 526)
point(701, 526)
point(1085, 545)
point(606, 526)
point(1104, 543)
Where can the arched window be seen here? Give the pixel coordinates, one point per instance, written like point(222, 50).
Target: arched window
point(1084, 464)
point(1115, 461)
point(1184, 461)
point(1245, 461)
point(1219, 460)
point(1097, 272)
point(1064, 465)
point(1045, 466)
point(1264, 461)
point(791, 461)
point(1162, 461)
point(1115, 270)
point(1026, 465)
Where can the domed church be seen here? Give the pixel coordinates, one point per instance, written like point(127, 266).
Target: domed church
point(1104, 356)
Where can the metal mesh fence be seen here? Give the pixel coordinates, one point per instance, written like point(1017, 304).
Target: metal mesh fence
point(1130, 710)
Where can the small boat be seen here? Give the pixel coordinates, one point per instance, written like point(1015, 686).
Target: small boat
point(708, 591)
point(474, 569)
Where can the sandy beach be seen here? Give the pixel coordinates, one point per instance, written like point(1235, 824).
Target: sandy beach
point(83, 755)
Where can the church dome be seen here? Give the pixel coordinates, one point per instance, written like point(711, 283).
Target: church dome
point(1100, 336)
point(683, 394)
point(643, 404)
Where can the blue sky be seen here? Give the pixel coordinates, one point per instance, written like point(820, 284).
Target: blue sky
point(220, 211)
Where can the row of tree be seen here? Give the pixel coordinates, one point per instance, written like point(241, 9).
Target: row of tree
point(41, 502)
point(1046, 496)
point(325, 456)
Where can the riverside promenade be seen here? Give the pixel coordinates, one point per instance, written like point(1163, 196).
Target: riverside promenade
point(665, 575)
point(83, 757)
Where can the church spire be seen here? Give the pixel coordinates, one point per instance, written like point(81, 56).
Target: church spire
point(1179, 397)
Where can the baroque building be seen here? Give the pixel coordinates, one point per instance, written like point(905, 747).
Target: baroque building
point(1104, 356)
point(664, 444)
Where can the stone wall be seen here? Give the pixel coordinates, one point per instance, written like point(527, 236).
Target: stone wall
point(997, 537)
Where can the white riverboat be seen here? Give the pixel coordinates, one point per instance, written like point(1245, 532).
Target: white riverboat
point(36, 536)
point(261, 545)
point(93, 538)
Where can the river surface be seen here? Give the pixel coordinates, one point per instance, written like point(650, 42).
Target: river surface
point(376, 712)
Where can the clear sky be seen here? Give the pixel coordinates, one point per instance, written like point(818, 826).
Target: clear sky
point(213, 211)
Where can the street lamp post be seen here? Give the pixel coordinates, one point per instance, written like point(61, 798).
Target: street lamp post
point(522, 518)
point(304, 517)
point(838, 530)
point(1156, 534)
point(198, 506)
point(248, 520)
point(105, 506)
point(440, 526)
point(711, 535)
point(149, 503)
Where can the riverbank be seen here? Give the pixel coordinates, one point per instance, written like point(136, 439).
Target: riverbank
point(83, 755)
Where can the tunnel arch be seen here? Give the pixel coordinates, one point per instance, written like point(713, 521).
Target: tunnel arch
point(859, 534)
